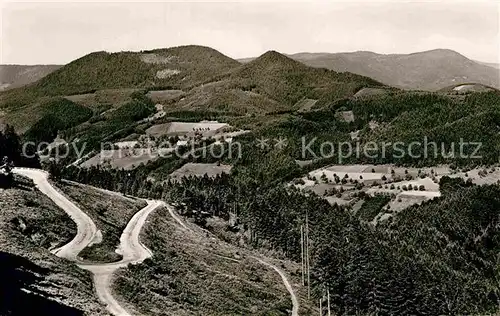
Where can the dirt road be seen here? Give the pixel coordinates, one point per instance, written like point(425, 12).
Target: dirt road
point(86, 229)
point(133, 252)
point(130, 247)
point(282, 274)
point(295, 301)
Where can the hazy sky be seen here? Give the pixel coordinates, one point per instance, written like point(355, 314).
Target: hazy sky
point(42, 33)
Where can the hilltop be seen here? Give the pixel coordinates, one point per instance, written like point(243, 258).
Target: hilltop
point(428, 70)
point(180, 67)
point(467, 87)
point(287, 80)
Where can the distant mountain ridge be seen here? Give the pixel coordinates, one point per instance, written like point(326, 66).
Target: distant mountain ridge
point(430, 70)
point(14, 76)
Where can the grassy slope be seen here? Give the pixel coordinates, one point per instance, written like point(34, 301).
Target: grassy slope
point(226, 95)
point(193, 274)
point(30, 224)
point(110, 212)
point(49, 113)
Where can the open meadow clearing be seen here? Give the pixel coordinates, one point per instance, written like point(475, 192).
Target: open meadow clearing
point(340, 184)
point(199, 170)
point(206, 128)
point(165, 95)
point(126, 158)
point(115, 97)
point(305, 105)
point(404, 186)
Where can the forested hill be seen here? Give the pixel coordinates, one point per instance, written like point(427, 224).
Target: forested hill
point(429, 70)
point(273, 83)
point(183, 66)
point(286, 80)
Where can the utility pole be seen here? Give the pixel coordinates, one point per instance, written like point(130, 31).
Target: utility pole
point(320, 307)
point(302, 251)
point(328, 293)
point(307, 258)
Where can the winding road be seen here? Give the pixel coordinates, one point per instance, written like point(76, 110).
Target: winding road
point(86, 229)
point(131, 249)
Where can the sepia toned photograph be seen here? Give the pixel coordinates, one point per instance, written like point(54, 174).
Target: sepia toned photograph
point(268, 158)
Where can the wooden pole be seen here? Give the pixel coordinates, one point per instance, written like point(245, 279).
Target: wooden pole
point(328, 293)
point(302, 251)
point(320, 307)
point(307, 258)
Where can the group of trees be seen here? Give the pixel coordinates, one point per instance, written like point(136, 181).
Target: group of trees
point(10, 144)
point(12, 147)
point(437, 258)
point(11, 154)
point(60, 114)
point(6, 176)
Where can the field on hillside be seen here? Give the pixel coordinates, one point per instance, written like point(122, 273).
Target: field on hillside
point(110, 211)
point(103, 97)
point(165, 96)
point(126, 158)
point(162, 141)
point(342, 184)
point(305, 104)
point(206, 128)
point(199, 170)
point(32, 277)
